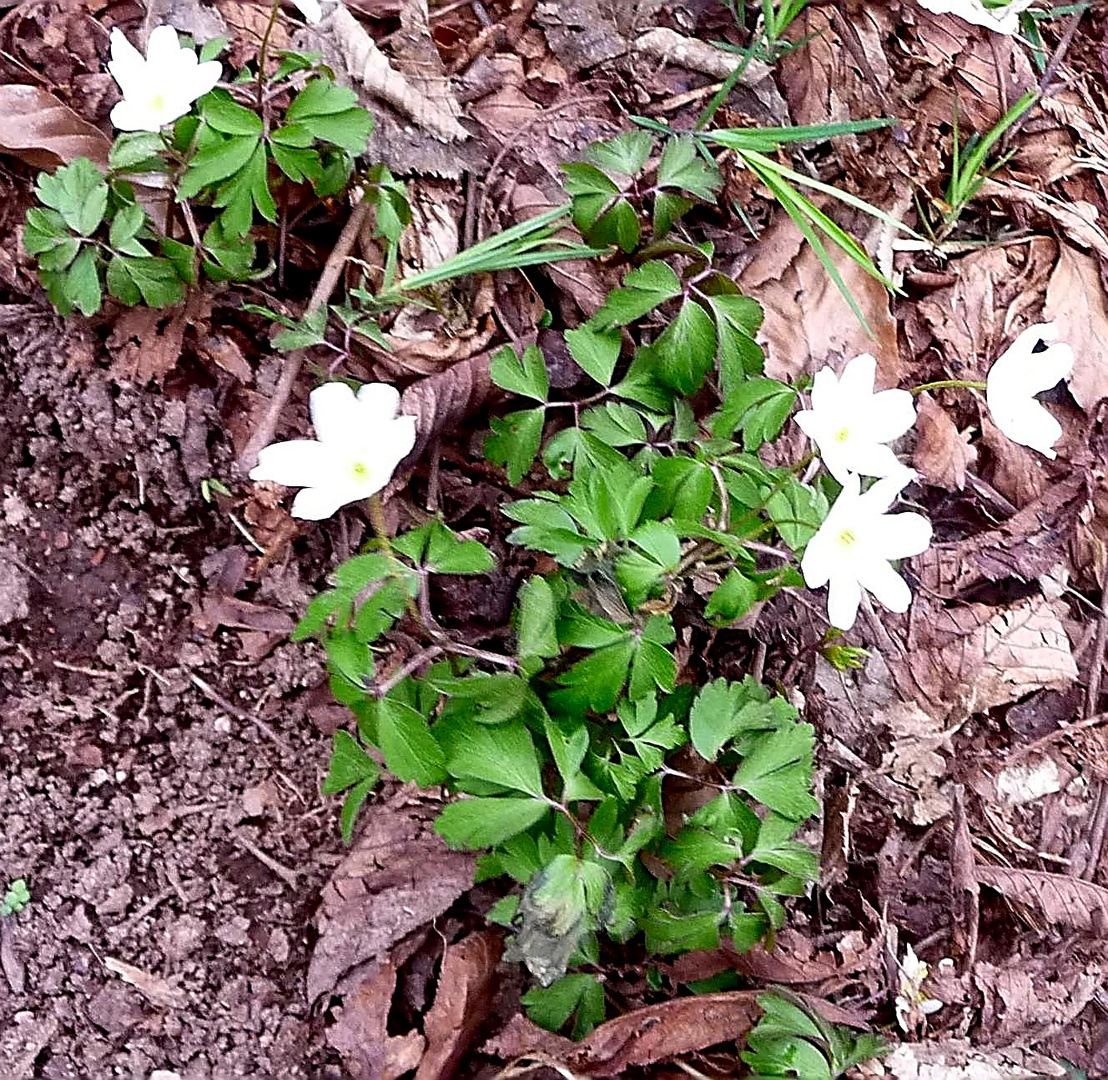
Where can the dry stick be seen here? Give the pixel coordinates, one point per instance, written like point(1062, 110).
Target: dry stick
point(1099, 826)
point(294, 360)
point(235, 711)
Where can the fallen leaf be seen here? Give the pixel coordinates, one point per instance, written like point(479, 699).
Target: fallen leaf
point(218, 611)
point(146, 343)
point(398, 876)
point(808, 323)
point(1026, 1003)
point(1076, 301)
point(964, 660)
point(360, 1034)
point(942, 452)
point(158, 991)
point(466, 988)
point(957, 1059)
point(1062, 899)
point(38, 128)
point(1078, 220)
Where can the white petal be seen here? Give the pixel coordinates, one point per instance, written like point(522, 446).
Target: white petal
point(315, 504)
point(310, 9)
point(839, 463)
point(843, 597)
point(1031, 425)
point(131, 116)
point(379, 401)
point(899, 536)
point(126, 65)
point(818, 561)
point(879, 578)
point(203, 78)
point(891, 414)
point(163, 49)
point(873, 459)
point(335, 415)
point(825, 388)
point(397, 441)
point(883, 494)
point(857, 378)
point(299, 463)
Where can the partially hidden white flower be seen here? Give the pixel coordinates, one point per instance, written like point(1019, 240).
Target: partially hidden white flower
point(1003, 18)
point(359, 441)
point(310, 9)
point(1017, 376)
point(912, 1004)
point(856, 543)
point(851, 424)
point(161, 86)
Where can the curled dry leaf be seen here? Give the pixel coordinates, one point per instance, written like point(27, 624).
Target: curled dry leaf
point(361, 1035)
point(957, 1059)
point(1076, 302)
point(1064, 900)
point(38, 128)
point(968, 659)
point(398, 876)
point(1027, 546)
point(467, 985)
point(942, 452)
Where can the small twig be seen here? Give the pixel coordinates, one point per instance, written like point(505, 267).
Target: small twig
point(1099, 827)
point(235, 711)
point(424, 656)
point(294, 360)
point(283, 872)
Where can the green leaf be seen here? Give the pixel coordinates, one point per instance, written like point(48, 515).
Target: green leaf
point(125, 227)
point(410, 750)
point(668, 209)
point(481, 823)
point(347, 130)
point(132, 149)
point(644, 288)
point(595, 351)
point(59, 254)
point(321, 97)
point(777, 771)
point(551, 1006)
point(797, 510)
point(224, 114)
point(82, 283)
point(217, 162)
point(79, 193)
point(211, 48)
point(619, 225)
point(684, 352)
point(526, 377)
point(654, 666)
point(615, 423)
point(515, 440)
point(503, 754)
point(683, 488)
point(723, 710)
point(737, 321)
point(389, 198)
point(759, 407)
point(732, 599)
point(596, 681)
point(350, 765)
point(627, 153)
point(351, 805)
point(153, 278)
point(667, 933)
point(682, 167)
point(298, 165)
point(448, 553)
point(535, 631)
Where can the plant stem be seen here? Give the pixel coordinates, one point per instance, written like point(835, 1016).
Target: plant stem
point(263, 51)
point(945, 384)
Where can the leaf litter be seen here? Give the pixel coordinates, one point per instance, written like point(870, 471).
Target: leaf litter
point(996, 623)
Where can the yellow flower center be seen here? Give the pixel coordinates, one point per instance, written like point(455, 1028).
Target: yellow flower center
point(361, 471)
point(157, 102)
point(842, 435)
point(847, 538)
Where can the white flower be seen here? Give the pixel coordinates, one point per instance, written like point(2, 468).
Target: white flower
point(1003, 18)
point(310, 9)
point(359, 442)
point(1015, 379)
point(160, 87)
point(853, 548)
point(851, 424)
point(912, 1005)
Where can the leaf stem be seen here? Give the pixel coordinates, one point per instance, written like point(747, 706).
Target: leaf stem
point(945, 384)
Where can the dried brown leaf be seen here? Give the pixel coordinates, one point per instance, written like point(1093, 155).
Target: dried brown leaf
point(441, 403)
point(942, 452)
point(360, 1034)
point(1077, 219)
point(808, 323)
point(1076, 301)
point(158, 991)
point(466, 988)
point(398, 876)
point(38, 128)
point(146, 343)
point(1027, 546)
point(1067, 901)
